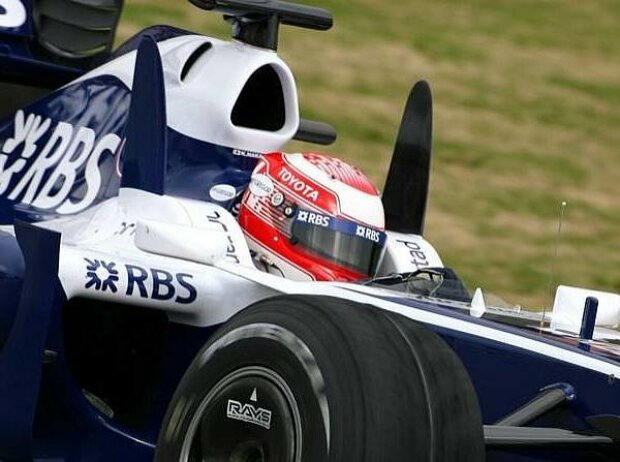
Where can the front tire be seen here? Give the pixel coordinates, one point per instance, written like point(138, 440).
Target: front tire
point(313, 379)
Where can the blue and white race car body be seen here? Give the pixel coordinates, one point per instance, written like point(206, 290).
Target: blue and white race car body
point(118, 192)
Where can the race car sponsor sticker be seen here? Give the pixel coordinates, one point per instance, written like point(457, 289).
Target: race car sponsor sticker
point(48, 158)
point(277, 199)
point(313, 218)
point(222, 192)
point(297, 184)
point(101, 275)
point(231, 250)
point(368, 233)
point(261, 185)
point(152, 283)
point(416, 253)
point(248, 413)
point(243, 153)
point(342, 225)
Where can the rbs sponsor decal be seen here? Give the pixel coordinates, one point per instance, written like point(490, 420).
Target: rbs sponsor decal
point(368, 233)
point(164, 285)
point(44, 173)
point(151, 283)
point(313, 218)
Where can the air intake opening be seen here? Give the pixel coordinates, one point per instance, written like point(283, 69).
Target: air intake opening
point(196, 54)
point(261, 102)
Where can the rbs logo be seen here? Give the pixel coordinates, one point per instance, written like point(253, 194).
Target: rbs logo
point(152, 283)
point(164, 285)
point(41, 163)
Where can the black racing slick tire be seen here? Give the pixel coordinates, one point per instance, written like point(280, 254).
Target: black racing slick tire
point(317, 379)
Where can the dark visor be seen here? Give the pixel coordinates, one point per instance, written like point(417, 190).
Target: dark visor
point(339, 240)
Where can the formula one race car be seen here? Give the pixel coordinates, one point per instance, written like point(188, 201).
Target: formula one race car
point(174, 288)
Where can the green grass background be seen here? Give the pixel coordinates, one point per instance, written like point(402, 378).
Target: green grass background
point(527, 114)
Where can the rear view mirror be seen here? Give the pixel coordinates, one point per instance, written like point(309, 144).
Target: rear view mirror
point(569, 305)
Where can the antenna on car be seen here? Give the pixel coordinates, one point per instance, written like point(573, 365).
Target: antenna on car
point(257, 22)
point(554, 260)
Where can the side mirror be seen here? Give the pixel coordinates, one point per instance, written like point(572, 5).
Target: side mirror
point(569, 304)
point(195, 244)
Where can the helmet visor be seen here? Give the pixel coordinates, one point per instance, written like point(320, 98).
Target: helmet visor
point(339, 241)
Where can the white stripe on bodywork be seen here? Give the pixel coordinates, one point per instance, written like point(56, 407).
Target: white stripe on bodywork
point(428, 317)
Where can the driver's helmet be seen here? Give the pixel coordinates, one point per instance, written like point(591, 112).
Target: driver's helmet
point(309, 216)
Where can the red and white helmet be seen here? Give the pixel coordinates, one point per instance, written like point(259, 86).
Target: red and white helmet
point(313, 217)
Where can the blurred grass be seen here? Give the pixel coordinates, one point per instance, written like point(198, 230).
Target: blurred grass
point(527, 114)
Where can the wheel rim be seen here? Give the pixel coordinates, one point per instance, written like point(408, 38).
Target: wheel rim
point(250, 415)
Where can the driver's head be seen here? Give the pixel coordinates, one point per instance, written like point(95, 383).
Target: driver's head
point(313, 217)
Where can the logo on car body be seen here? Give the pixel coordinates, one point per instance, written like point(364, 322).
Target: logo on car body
point(243, 153)
point(416, 253)
point(101, 275)
point(222, 192)
point(152, 283)
point(47, 159)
